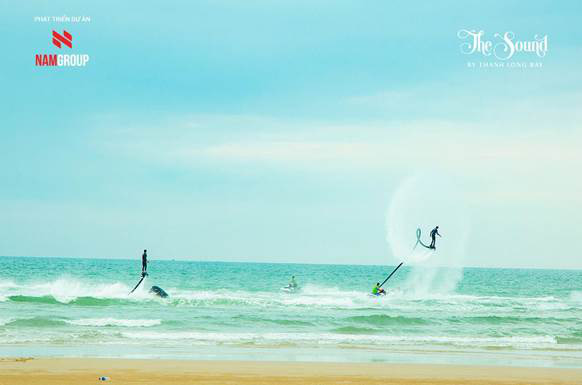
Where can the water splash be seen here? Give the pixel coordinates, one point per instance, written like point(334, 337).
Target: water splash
point(424, 202)
point(68, 289)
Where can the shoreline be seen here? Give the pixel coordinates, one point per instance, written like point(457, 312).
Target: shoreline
point(78, 371)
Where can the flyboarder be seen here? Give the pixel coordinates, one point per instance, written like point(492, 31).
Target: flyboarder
point(144, 263)
point(434, 232)
point(144, 269)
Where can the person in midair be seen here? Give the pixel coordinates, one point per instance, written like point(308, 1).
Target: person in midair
point(434, 232)
point(144, 263)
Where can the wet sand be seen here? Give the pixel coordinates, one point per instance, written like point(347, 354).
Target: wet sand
point(80, 371)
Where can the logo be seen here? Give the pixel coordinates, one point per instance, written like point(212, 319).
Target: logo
point(66, 39)
point(61, 60)
point(504, 50)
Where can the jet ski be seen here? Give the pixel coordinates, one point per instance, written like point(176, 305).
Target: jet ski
point(290, 289)
point(159, 292)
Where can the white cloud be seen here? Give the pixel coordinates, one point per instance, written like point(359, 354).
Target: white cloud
point(362, 145)
point(504, 165)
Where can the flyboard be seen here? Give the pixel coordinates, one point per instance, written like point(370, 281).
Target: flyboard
point(143, 276)
point(154, 289)
point(386, 280)
point(391, 274)
point(419, 241)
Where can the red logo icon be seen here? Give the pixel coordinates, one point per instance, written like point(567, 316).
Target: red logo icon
point(66, 38)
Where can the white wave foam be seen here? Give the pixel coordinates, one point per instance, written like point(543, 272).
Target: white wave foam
point(309, 296)
point(6, 284)
point(115, 322)
point(333, 297)
point(4, 321)
point(522, 342)
point(576, 296)
point(67, 289)
point(416, 299)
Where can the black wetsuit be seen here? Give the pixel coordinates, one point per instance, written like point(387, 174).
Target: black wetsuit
point(433, 235)
point(144, 263)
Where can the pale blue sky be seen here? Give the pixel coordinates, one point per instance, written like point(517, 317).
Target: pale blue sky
point(281, 131)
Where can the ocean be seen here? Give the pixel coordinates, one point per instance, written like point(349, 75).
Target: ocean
point(218, 310)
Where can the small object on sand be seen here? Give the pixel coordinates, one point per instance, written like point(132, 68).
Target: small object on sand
point(104, 378)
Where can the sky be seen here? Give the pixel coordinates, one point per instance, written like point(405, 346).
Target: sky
point(291, 131)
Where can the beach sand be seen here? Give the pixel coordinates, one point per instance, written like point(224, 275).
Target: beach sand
point(62, 371)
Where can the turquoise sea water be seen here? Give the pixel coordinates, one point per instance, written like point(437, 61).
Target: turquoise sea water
point(81, 307)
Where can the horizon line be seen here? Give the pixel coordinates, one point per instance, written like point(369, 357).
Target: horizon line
point(189, 259)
